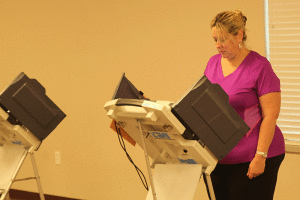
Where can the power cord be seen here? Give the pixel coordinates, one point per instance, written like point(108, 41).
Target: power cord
point(122, 143)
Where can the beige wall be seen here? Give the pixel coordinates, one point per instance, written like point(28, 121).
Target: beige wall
point(78, 49)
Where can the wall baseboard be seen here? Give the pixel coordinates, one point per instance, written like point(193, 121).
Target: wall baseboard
point(25, 195)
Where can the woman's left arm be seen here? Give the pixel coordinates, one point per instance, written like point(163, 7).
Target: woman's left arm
point(270, 105)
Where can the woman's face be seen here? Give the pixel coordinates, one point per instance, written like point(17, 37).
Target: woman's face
point(226, 43)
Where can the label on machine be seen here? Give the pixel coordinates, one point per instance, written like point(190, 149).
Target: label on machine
point(161, 135)
point(150, 104)
point(188, 161)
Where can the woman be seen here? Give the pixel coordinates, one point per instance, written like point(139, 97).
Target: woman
point(250, 170)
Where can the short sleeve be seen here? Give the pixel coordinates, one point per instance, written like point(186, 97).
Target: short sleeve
point(267, 80)
point(208, 66)
point(211, 70)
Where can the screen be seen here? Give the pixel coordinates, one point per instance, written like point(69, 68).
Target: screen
point(126, 90)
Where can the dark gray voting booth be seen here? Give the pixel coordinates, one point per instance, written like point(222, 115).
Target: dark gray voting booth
point(209, 118)
point(28, 105)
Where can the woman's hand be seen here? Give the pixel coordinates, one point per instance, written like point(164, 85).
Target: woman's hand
point(257, 166)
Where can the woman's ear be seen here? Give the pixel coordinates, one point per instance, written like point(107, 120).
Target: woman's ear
point(240, 35)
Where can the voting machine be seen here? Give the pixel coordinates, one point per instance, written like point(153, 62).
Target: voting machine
point(27, 117)
point(182, 141)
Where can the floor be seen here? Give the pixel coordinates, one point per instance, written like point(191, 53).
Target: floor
point(24, 195)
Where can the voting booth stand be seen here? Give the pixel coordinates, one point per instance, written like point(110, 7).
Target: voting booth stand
point(27, 117)
point(182, 141)
point(16, 143)
point(175, 165)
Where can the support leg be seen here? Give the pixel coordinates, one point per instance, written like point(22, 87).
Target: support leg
point(147, 162)
point(209, 186)
point(37, 177)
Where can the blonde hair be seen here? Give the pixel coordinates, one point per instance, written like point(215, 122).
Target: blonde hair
point(231, 22)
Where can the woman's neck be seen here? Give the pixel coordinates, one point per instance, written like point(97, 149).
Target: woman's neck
point(238, 59)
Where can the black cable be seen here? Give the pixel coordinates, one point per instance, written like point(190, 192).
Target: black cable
point(122, 143)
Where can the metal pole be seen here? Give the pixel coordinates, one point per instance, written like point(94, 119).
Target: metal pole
point(209, 186)
point(147, 162)
point(38, 181)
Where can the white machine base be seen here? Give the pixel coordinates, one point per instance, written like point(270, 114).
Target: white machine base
point(178, 163)
point(175, 181)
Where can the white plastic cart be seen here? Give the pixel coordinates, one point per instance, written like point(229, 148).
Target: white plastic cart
point(177, 164)
point(16, 142)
